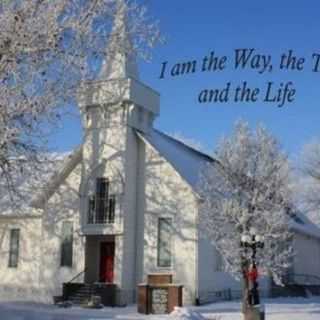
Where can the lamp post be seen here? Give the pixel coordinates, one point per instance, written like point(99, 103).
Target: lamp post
point(252, 241)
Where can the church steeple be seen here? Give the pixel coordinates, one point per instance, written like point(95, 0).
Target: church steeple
point(120, 61)
point(118, 87)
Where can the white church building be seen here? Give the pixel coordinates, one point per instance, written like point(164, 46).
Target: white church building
point(121, 206)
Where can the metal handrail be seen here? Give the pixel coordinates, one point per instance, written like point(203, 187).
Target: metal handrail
point(102, 212)
point(78, 275)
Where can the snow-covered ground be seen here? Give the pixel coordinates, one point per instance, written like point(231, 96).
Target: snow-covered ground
point(276, 309)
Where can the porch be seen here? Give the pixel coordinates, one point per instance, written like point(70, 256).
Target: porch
point(98, 275)
point(81, 293)
point(100, 253)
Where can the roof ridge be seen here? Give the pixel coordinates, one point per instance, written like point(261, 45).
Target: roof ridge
point(186, 146)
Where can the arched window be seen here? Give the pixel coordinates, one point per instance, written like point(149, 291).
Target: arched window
point(102, 204)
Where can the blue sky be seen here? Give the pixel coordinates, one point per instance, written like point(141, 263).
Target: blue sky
point(195, 28)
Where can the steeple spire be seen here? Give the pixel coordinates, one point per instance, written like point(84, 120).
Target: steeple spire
point(120, 61)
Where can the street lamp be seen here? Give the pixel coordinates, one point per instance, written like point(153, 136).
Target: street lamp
point(253, 241)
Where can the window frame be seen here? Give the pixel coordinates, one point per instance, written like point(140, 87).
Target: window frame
point(159, 264)
point(219, 265)
point(102, 205)
point(66, 245)
point(14, 252)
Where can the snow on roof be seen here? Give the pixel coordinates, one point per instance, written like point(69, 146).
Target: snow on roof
point(60, 174)
point(300, 223)
point(32, 184)
point(186, 160)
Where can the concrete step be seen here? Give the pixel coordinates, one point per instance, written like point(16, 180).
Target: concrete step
point(74, 298)
point(81, 296)
point(84, 291)
point(80, 293)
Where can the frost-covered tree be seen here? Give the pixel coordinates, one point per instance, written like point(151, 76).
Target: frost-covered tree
point(247, 187)
point(309, 184)
point(47, 50)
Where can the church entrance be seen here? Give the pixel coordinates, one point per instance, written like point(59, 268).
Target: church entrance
point(100, 259)
point(106, 262)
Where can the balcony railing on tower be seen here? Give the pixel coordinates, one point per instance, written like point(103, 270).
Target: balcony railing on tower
point(102, 210)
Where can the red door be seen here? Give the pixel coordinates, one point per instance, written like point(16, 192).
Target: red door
point(106, 261)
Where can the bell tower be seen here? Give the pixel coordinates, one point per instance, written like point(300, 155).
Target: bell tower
point(118, 84)
point(113, 108)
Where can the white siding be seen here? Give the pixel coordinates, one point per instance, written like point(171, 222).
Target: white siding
point(62, 206)
point(23, 281)
point(307, 255)
point(168, 195)
point(39, 275)
point(211, 275)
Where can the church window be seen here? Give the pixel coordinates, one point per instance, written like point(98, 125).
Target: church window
point(102, 195)
point(92, 208)
point(14, 248)
point(164, 242)
point(102, 187)
point(150, 119)
point(140, 115)
point(112, 207)
point(219, 265)
point(66, 244)
point(102, 205)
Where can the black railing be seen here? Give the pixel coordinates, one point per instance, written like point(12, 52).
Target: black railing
point(77, 276)
point(101, 210)
point(302, 279)
point(206, 297)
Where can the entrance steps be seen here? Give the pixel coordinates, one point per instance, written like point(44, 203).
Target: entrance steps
point(81, 293)
point(82, 296)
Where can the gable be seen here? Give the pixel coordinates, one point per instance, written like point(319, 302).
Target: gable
point(187, 161)
point(56, 179)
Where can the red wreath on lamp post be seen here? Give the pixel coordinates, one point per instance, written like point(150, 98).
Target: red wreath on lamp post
point(252, 241)
point(253, 274)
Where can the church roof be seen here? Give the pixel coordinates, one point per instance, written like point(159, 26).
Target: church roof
point(64, 168)
point(187, 161)
point(33, 188)
point(300, 223)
